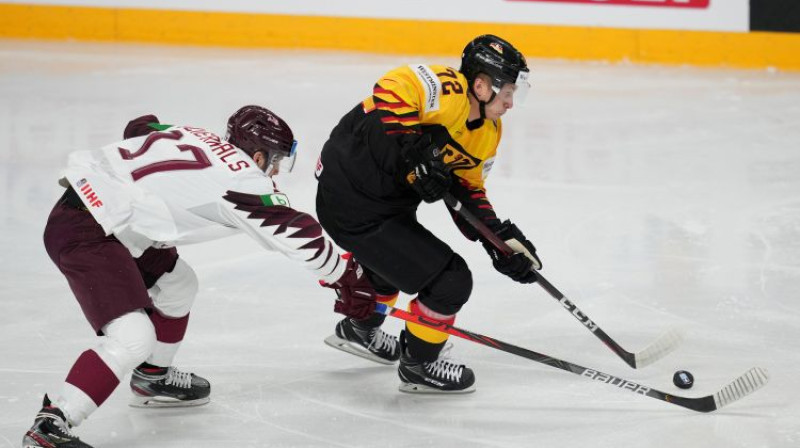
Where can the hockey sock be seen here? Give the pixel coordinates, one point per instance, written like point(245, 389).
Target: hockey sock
point(424, 343)
point(388, 299)
point(376, 320)
point(96, 373)
point(89, 383)
point(169, 335)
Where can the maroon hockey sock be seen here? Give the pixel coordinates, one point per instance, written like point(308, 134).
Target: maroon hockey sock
point(169, 330)
point(91, 375)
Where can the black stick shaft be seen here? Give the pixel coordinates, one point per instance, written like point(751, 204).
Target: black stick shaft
point(501, 245)
point(703, 404)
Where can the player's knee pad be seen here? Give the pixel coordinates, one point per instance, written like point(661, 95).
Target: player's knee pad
point(174, 292)
point(128, 340)
point(450, 290)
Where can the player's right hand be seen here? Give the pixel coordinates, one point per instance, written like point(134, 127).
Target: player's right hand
point(430, 180)
point(429, 176)
point(356, 296)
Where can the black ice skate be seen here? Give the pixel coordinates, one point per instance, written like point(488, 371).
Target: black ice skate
point(370, 343)
point(51, 430)
point(164, 387)
point(442, 376)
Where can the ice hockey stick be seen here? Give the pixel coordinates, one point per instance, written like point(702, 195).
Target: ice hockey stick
point(742, 386)
point(662, 346)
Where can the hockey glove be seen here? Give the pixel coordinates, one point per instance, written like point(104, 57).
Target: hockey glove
point(429, 176)
point(356, 295)
point(430, 180)
point(140, 126)
point(519, 265)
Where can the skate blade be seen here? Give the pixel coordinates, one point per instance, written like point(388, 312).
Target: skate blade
point(411, 388)
point(355, 349)
point(32, 440)
point(165, 402)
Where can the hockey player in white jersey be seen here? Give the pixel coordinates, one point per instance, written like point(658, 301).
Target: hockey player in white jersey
point(113, 235)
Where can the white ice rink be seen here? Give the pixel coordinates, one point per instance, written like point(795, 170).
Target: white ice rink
point(657, 197)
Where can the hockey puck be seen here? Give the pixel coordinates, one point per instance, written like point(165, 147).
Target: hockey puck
point(683, 379)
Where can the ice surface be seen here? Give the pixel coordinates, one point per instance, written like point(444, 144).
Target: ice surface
point(658, 197)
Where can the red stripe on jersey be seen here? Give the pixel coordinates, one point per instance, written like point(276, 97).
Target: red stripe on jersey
point(380, 90)
point(396, 119)
point(384, 105)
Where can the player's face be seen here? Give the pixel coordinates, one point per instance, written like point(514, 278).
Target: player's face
point(502, 102)
point(271, 165)
point(274, 163)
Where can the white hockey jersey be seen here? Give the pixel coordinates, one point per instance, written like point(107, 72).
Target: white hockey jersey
point(184, 185)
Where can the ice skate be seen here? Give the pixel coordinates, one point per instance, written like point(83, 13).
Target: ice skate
point(155, 387)
point(51, 430)
point(370, 343)
point(443, 376)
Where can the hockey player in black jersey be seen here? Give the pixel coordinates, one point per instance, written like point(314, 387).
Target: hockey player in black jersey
point(426, 130)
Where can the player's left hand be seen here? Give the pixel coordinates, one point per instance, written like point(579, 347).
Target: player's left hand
point(519, 265)
point(356, 295)
point(139, 126)
point(511, 234)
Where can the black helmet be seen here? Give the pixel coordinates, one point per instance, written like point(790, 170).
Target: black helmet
point(496, 58)
point(256, 129)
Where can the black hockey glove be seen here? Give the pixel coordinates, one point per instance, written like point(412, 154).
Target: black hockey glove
point(429, 176)
point(430, 180)
point(520, 265)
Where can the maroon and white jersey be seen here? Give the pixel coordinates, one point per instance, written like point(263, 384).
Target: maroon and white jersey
point(184, 185)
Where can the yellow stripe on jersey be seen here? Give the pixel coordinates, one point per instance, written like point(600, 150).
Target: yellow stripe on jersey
point(413, 95)
point(368, 105)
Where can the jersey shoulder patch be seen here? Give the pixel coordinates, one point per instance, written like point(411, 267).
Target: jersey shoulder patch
point(431, 84)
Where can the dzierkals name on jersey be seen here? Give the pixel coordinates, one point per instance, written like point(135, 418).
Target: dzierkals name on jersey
point(223, 150)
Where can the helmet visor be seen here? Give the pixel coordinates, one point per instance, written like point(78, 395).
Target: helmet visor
point(518, 91)
point(281, 163)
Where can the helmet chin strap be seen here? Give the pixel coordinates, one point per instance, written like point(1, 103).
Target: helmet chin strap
point(481, 107)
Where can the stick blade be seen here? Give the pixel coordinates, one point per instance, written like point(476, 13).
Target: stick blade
point(749, 382)
point(661, 347)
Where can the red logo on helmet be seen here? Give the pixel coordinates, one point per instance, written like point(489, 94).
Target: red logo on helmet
point(497, 47)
